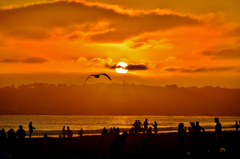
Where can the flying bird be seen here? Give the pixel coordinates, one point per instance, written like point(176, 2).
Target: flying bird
point(97, 76)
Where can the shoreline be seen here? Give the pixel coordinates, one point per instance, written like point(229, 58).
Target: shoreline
point(96, 146)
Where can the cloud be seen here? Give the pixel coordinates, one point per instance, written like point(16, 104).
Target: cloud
point(223, 54)
point(96, 22)
point(94, 62)
point(31, 60)
point(130, 67)
point(10, 61)
point(200, 69)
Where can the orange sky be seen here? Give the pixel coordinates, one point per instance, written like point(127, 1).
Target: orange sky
point(169, 42)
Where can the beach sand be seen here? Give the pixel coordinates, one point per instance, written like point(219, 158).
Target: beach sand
point(163, 145)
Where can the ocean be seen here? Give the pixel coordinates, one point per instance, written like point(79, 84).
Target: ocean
point(93, 125)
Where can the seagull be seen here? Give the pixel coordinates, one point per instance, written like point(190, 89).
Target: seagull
point(97, 76)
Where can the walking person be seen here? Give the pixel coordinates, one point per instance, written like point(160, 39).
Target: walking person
point(30, 129)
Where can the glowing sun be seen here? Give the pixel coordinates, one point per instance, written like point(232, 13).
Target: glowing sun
point(121, 67)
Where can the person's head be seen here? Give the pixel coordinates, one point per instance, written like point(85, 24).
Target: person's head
point(181, 125)
point(192, 124)
point(20, 127)
point(197, 123)
point(216, 120)
point(125, 134)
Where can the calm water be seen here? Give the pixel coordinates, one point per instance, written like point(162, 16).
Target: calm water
point(92, 125)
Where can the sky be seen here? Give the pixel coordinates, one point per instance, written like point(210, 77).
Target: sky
point(188, 43)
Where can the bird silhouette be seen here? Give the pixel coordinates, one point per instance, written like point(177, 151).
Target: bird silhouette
point(97, 76)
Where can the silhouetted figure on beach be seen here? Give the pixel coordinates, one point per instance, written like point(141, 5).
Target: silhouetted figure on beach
point(135, 125)
point(218, 134)
point(139, 126)
point(68, 132)
point(117, 145)
point(149, 134)
point(80, 133)
point(145, 125)
point(236, 126)
point(64, 132)
point(181, 136)
point(30, 129)
point(198, 132)
point(192, 135)
point(12, 139)
point(218, 129)
point(21, 133)
point(45, 143)
point(155, 127)
point(3, 138)
point(131, 131)
point(104, 132)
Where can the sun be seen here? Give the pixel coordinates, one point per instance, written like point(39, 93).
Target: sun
point(121, 67)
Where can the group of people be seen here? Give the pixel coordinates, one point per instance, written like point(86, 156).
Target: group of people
point(137, 127)
point(20, 133)
point(69, 133)
point(195, 132)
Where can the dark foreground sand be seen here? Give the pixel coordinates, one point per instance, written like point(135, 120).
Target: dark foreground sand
point(160, 146)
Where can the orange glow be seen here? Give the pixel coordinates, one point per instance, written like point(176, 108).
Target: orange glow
point(182, 42)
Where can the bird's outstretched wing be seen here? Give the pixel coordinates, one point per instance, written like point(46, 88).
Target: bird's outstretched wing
point(88, 78)
point(105, 75)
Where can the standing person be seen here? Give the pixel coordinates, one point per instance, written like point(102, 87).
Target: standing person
point(181, 135)
point(198, 131)
point(30, 129)
point(192, 135)
point(64, 132)
point(218, 134)
point(80, 133)
point(68, 132)
point(117, 145)
point(155, 127)
point(21, 133)
point(236, 126)
point(145, 124)
point(218, 129)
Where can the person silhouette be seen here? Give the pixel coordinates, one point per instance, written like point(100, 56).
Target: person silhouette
point(192, 135)
point(198, 131)
point(149, 133)
point(80, 133)
point(12, 139)
point(30, 129)
point(104, 131)
point(181, 136)
point(117, 145)
point(21, 133)
point(63, 132)
point(3, 138)
point(236, 126)
point(218, 129)
point(155, 127)
point(218, 134)
point(45, 143)
point(68, 132)
point(145, 125)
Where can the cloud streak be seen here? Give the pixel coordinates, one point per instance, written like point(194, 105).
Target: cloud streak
point(223, 54)
point(31, 60)
point(103, 23)
point(200, 69)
